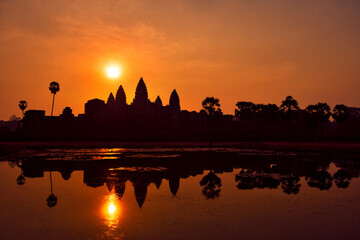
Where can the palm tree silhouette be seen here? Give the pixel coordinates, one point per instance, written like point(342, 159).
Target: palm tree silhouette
point(20, 179)
point(52, 199)
point(54, 88)
point(211, 108)
point(22, 106)
point(290, 107)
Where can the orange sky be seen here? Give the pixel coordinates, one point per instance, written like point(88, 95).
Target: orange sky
point(239, 50)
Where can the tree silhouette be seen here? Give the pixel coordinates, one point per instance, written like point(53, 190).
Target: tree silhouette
point(20, 179)
point(51, 201)
point(320, 113)
point(22, 106)
point(14, 118)
point(249, 179)
point(341, 115)
point(289, 105)
point(246, 179)
point(211, 108)
point(342, 178)
point(311, 118)
point(54, 88)
point(290, 108)
point(211, 185)
point(321, 180)
point(266, 112)
point(290, 184)
point(245, 110)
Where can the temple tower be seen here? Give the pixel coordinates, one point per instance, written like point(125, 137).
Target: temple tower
point(158, 102)
point(120, 99)
point(174, 101)
point(140, 189)
point(141, 94)
point(110, 104)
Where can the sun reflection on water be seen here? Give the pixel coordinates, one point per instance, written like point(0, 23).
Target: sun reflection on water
point(111, 212)
point(111, 209)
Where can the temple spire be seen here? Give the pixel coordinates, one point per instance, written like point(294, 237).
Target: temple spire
point(140, 189)
point(120, 189)
point(141, 94)
point(158, 101)
point(174, 101)
point(110, 104)
point(174, 183)
point(111, 99)
point(120, 98)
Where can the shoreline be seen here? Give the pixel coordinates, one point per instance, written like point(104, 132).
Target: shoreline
point(285, 145)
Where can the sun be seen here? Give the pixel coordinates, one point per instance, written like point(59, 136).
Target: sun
point(113, 71)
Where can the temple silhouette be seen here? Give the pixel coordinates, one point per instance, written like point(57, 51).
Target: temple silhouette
point(115, 119)
point(116, 107)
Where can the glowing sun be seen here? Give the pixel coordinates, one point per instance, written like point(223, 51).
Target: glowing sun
point(113, 71)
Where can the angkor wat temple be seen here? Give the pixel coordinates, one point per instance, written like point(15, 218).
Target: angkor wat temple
point(115, 119)
point(118, 108)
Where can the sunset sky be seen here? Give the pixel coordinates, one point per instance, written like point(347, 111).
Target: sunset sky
point(240, 50)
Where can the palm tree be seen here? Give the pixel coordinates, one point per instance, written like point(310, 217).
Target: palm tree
point(21, 179)
point(290, 108)
point(341, 115)
point(22, 106)
point(54, 88)
point(51, 201)
point(211, 108)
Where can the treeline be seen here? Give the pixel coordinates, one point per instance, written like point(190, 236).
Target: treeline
point(259, 121)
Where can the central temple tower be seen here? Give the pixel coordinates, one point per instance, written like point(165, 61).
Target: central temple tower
point(141, 94)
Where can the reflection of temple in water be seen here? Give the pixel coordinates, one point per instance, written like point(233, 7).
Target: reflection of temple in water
point(143, 169)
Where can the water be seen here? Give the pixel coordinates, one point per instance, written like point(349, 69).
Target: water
point(178, 194)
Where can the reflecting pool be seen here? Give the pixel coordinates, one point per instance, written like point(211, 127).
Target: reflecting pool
point(176, 193)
